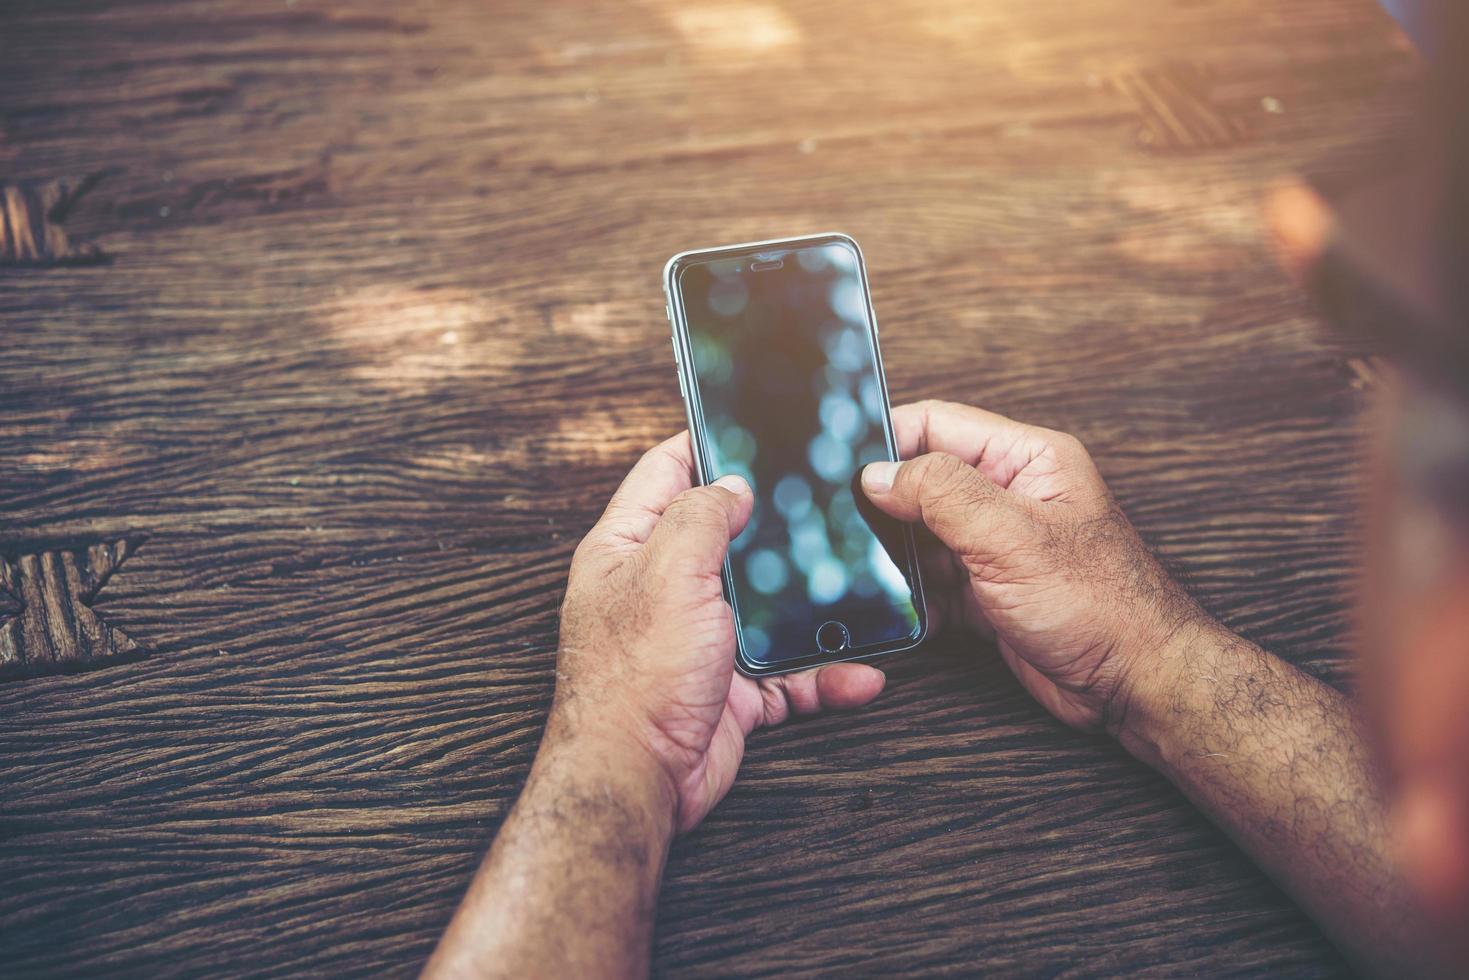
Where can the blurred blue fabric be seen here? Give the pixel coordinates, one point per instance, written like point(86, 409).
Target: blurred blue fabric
point(1419, 19)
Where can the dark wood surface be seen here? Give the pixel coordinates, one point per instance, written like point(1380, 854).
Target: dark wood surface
point(358, 323)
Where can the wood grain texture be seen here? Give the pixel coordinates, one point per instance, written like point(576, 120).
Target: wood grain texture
point(382, 330)
point(1177, 111)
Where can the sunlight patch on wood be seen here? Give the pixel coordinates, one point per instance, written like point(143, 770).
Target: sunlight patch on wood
point(962, 23)
point(85, 455)
point(623, 324)
point(736, 28)
point(460, 459)
point(591, 437)
point(1172, 222)
point(408, 339)
point(602, 437)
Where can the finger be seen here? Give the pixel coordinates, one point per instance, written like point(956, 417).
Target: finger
point(966, 510)
point(998, 446)
point(1427, 737)
point(835, 687)
point(1301, 226)
point(696, 527)
point(935, 562)
point(842, 687)
point(1429, 842)
point(663, 472)
point(890, 533)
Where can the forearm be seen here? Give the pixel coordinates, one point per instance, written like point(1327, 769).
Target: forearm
point(570, 886)
point(1276, 758)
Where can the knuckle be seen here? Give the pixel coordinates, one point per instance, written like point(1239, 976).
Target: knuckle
point(933, 410)
point(1073, 455)
point(972, 498)
point(1067, 446)
point(926, 405)
point(945, 476)
point(694, 509)
point(586, 551)
point(953, 496)
point(647, 456)
point(773, 701)
point(935, 467)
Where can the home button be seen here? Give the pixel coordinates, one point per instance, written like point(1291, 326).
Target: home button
point(832, 637)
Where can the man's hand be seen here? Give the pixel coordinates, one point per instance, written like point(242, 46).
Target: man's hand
point(1032, 546)
point(648, 642)
point(646, 731)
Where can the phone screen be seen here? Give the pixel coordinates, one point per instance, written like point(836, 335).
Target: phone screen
point(789, 395)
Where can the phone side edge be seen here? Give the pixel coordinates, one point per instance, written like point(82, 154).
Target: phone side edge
point(683, 356)
point(684, 363)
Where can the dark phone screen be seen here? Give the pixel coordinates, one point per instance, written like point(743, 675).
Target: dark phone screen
point(787, 378)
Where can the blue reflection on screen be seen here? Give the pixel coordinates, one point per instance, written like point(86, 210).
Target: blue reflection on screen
point(788, 384)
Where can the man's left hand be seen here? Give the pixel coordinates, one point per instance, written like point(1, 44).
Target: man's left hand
point(646, 667)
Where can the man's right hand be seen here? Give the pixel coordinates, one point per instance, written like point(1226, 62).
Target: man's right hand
point(1032, 546)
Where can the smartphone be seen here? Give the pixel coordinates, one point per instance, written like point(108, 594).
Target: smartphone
point(778, 363)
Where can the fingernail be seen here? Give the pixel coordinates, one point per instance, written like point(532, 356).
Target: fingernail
point(878, 477)
point(734, 484)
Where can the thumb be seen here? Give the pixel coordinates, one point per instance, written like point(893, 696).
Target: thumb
point(697, 527)
point(966, 510)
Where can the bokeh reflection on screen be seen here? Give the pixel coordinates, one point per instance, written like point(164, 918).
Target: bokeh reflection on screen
point(788, 384)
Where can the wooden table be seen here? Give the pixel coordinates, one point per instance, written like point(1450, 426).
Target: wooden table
point(357, 323)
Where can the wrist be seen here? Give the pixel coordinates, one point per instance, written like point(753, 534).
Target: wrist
point(1152, 699)
point(602, 758)
point(585, 843)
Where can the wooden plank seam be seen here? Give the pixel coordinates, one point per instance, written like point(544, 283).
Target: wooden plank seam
point(47, 623)
point(30, 223)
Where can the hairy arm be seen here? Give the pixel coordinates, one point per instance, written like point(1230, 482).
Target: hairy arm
point(1277, 759)
point(571, 884)
point(1029, 543)
point(645, 734)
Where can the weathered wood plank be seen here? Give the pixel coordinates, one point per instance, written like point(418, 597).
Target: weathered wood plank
point(382, 330)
